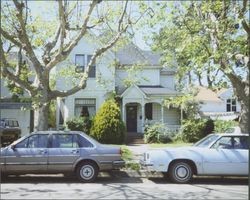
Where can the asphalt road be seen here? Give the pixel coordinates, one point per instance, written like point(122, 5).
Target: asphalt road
point(116, 187)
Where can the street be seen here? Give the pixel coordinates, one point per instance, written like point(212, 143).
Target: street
point(121, 187)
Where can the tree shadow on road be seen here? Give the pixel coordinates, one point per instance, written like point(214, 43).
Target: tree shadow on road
point(208, 180)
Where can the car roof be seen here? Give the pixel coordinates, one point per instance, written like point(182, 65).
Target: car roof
point(231, 134)
point(56, 132)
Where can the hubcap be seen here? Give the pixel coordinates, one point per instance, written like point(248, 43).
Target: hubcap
point(182, 172)
point(87, 172)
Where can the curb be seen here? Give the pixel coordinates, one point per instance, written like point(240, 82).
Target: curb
point(131, 174)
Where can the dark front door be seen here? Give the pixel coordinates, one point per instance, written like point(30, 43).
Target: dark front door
point(131, 118)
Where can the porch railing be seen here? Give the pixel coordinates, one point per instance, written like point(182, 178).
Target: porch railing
point(172, 128)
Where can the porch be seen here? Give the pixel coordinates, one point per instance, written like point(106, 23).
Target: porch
point(140, 109)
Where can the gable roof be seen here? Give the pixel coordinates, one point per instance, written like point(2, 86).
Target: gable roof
point(151, 90)
point(205, 94)
point(130, 54)
point(133, 86)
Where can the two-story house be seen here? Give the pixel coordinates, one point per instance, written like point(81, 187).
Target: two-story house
point(137, 77)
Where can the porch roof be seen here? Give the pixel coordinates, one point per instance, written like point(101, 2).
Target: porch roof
point(148, 90)
point(158, 90)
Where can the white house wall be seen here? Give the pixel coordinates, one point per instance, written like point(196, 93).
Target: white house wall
point(98, 90)
point(144, 77)
point(102, 68)
point(167, 81)
point(213, 106)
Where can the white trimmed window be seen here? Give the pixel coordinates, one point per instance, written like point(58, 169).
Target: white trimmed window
point(80, 62)
point(231, 105)
point(85, 107)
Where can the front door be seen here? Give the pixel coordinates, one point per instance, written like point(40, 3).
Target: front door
point(131, 118)
point(29, 155)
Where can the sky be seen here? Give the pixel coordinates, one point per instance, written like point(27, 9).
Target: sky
point(44, 8)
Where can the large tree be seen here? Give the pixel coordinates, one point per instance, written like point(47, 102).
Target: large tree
point(207, 38)
point(46, 40)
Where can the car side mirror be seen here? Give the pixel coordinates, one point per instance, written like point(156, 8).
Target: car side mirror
point(13, 147)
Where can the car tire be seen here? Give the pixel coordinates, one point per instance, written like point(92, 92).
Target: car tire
point(87, 172)
point(180, 172)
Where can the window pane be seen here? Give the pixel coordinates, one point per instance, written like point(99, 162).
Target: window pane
point(92, 68)
point(92, 72)
point(234, 108)
point(233, 102)
point(83, 142)
point(241, 143)
point(22, 144)
point(62, 141)
point(80, 60)
point(229, 101)
point(148, 111)
point(228, 108)
point(38, 141)
point(224, 143)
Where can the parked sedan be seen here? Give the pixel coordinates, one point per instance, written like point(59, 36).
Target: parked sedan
point(216, 154)
point(60, 152)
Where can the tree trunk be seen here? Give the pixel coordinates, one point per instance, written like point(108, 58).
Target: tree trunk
point(41, 117)
point(244, 118)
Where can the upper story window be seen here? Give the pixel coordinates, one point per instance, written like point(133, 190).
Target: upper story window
point(81, 61)
point(231, 105)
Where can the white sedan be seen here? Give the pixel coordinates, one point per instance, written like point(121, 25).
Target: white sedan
point(216, 154)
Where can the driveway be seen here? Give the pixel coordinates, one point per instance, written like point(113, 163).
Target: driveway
point(117, 186)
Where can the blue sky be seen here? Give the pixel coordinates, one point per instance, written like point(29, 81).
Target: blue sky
point(45, 9)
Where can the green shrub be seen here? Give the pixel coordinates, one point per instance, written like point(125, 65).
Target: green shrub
point(79, 124)
point(158, 133)
point(107, 125)
point(221, 126)
point(195, 129)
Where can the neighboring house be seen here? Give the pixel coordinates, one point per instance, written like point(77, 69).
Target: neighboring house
point(9, 108)
point(220, 104)
point(141, 91)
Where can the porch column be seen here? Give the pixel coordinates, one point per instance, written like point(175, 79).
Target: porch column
point(162, 113)
point(123, 112)
point(143, 116)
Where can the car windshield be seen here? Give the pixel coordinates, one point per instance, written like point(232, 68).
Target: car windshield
point(205, 142)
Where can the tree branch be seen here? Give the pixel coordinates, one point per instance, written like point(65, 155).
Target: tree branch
point(62, 19)
point(23, 37)
point(49, 46)
point(60, 56)
point(6, 73)
point(9, 37)
point(84, 78)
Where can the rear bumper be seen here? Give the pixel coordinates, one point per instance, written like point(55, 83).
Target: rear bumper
point(118, 164)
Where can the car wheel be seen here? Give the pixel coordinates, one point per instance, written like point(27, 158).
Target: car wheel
point(180, 172)
point(87, 172)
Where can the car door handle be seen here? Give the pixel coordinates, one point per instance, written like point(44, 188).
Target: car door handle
point(42, 151)
point(75, 151)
